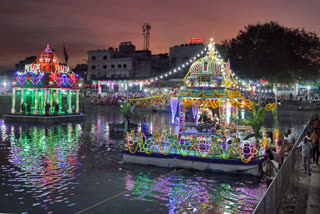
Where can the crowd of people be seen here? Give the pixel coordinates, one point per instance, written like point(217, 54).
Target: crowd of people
point(54, 109)
point(276, 155)
point(270, 97)
point(115, 98)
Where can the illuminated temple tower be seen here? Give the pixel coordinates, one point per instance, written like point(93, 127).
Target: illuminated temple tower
point(43, 82)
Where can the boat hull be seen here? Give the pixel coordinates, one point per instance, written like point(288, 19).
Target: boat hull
point(198, 163)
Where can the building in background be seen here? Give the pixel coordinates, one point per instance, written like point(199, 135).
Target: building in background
point(81, 70)
point(28, 60)
point(179, 54)
point(125, 62)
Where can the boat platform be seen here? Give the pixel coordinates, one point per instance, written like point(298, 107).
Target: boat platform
point(44, 118)
point(234, 166)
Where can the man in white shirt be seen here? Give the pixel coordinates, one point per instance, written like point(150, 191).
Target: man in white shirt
point(291, 137)
point(288, 137)
point(306, 152)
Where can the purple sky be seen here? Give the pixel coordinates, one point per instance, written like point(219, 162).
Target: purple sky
point(26, 26)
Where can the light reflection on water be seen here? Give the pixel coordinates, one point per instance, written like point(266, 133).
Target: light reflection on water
point(67, 167)
point(43, 163)
point(196, 192)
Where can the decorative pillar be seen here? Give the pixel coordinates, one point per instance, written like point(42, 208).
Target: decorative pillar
point(242, 109)
point(57, 95)
point(33, 98)
point(41, 101)
point(69, 101)
point(51, 101)
point(22, 99)
point(60, 103)
point(13, 100)
point(77, 101)
point(46, 99)
point(36, 102)
point(223, 113)
point(228, 111)
point(237, 111)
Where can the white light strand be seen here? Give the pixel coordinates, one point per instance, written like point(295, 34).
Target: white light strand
point(183, 65)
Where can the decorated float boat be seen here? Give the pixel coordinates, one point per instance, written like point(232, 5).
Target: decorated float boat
point(45, 84)
point(207, 130)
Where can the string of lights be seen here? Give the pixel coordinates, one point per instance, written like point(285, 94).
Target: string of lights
point(243, 85)
point(179, 68)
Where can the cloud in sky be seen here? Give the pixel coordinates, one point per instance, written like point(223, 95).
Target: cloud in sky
point(27, 26)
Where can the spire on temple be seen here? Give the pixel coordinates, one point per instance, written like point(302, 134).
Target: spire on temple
point(47, 50)
point(211, 48)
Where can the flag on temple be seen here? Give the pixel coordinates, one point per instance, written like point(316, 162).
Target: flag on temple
point(66, 56)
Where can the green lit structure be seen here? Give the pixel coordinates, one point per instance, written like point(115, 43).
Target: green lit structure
point(43, 82)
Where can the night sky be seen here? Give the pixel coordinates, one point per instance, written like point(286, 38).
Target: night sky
point(26, 26)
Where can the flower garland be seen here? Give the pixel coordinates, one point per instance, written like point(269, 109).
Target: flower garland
point(150, 100)
point(205, 156)
point(202, 94)
point(200, 103)
point(230, 152)
point(175, 141)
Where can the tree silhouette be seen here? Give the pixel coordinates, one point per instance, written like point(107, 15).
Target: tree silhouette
point(275, 53)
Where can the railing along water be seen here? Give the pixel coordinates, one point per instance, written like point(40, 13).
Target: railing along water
point(270, 201)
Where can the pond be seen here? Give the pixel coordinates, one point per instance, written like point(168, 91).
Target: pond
point(77, 167)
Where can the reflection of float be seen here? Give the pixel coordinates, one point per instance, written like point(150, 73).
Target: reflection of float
point(196, 193)
point(47, 160)
point(207, 118)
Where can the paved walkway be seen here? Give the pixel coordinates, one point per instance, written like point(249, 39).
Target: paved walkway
point(303, 192)
point(313, 206)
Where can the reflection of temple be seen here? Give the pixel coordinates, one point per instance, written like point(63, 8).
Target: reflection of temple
point(45, 157)
point(43, 82)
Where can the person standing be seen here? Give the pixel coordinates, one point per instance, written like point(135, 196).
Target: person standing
point(47, 109)
point(56, 109)
point(315, 143)
point(29, 108)
point(291, 137)
point(306, 148)
point(270, 167)
point(286, 138)
point(23, 108)
point(145, 128)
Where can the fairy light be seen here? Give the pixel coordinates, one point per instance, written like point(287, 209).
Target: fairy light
point(179, 68)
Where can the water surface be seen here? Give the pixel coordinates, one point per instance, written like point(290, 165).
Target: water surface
point(66, 168)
